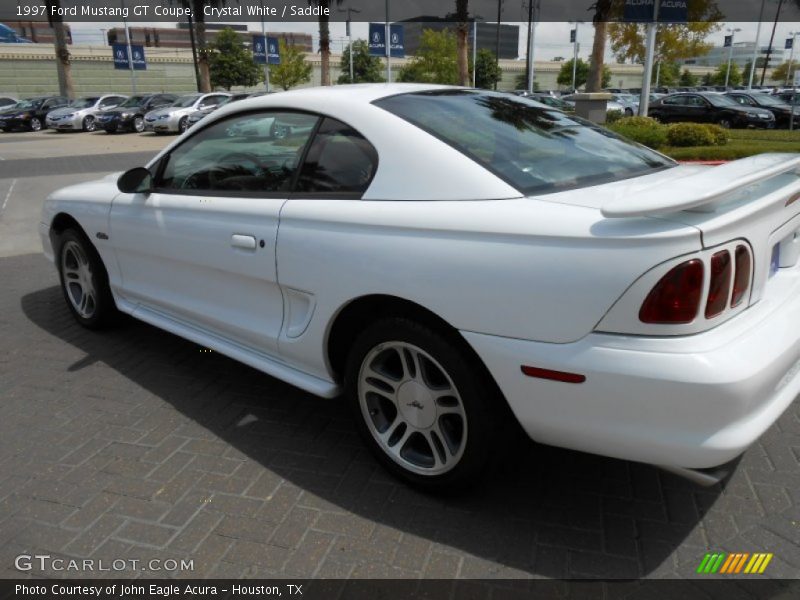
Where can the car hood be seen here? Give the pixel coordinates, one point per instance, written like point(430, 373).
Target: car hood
point(169, 111)
point(14, 111)
point(66, 111)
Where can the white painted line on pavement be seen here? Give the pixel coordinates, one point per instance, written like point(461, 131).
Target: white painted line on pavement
point(8, 195)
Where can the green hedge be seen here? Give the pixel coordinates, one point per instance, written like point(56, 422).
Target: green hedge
point(644, 130)
point(696, 134)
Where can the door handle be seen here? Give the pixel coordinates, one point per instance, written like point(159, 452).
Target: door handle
point(246, 242)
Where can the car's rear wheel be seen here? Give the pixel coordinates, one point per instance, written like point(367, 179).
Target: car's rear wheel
point(89, 124)
point(84, 281)
point(35, 124)
point(422, 405)
point(138, 124)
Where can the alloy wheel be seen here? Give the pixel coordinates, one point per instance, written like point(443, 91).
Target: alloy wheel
point(412, 408)
point(36, 124)
point(78, 279)
point(89, 124)
point(138, 124)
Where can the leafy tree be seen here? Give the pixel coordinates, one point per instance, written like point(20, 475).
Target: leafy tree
point(230, 63)
point(673, 40)
point(203, 68)
point(435, 61)
point(293, 69)
point(735, 77)
point(487, 71)
point(687, 79)
point(324, 39)
point(708, 79)
point(668, 74)
point(63, 66)
point(581, 74)
point(784, 72)
point(366, 68)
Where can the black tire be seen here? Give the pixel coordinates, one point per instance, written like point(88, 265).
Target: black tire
point(35, 124)
point(89, 124)
point(183, 125)
point(725, 123)
point(478, 396)
point(105, 311)
point(628, 112)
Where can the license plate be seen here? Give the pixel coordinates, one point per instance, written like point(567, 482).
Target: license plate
point(775, 261)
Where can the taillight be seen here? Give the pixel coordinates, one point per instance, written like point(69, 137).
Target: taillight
point(676, 296)
point(741, 281)
point(719, 284)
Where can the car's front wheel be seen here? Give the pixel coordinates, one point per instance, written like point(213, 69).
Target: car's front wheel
point(138, 124)
point(35, 124)
point(725, 123)
point(84, 281)
point(89, 124)
point(422, 405)
point(183, 125)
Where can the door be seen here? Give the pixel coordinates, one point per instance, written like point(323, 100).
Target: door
point(696, 109)
point(200, 248)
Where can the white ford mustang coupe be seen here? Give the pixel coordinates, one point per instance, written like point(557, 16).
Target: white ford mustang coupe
point(442, 255)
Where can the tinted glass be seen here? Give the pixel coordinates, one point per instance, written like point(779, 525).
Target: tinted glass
point(30, 103)
point(134, 101)
point(766, 100)
point(721, 101)
point(84, 102)
point(533, 148)
point(340, 160)
point(186, 101)
point(241, 154)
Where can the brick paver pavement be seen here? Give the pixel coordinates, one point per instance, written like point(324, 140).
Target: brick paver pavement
point(136, 444)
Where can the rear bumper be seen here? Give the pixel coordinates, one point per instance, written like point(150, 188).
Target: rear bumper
point(693, 402)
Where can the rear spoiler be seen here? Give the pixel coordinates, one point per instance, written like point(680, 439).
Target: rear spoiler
point(705, 187)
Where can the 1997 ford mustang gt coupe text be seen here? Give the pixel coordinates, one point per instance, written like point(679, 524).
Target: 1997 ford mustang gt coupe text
point(442, 255)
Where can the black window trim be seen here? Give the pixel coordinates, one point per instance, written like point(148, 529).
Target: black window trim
point(291, 194)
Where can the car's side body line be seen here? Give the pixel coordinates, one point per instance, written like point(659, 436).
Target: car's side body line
point(263, 362)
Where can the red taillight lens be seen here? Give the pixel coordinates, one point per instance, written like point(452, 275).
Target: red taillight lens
point(720, 284)
point(741, 281)
point(676, 296)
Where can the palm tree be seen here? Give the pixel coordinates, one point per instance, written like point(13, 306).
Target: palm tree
point(63, 67)
point(325, 39)
point(601, 8)
point(462, 32)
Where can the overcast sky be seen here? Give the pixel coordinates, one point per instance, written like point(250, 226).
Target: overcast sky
point(552, 39)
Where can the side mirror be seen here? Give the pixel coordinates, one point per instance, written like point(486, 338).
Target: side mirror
point(136, 181)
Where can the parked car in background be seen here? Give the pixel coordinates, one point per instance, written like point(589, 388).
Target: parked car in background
point(789, 97)
point(708, 107)
point(608, 299)
point(81, 114)
point(199, 115)
point(629, 102)
point(30, 113)
point(552, 101)
point(6, 101)
point(129, 116)
point(175, 118)
point(611, 105)
point(780, 109)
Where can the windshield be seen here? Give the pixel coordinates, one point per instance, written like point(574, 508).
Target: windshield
point(765, 100)
point(185, 101)
point(27, 104)
point(133, 101)
point(720, 100)
point(83, 102)
point(533, 148)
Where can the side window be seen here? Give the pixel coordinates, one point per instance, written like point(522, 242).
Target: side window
point(676, 101)
point(211, 101)
point(339, 160)
point(240, 154)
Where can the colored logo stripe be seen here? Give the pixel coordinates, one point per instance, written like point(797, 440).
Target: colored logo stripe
point(736, 562)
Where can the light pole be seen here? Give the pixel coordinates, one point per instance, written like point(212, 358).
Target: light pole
point(791, 57)
point(266, 49)
point(650, 50)
point(474, 52)
point(730, 55)
point(755, 49)
point(128, 40)
point(575, 57)
point(387, 39)
point(350, 38)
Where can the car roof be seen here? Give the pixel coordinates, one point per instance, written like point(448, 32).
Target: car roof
point(402, 146)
